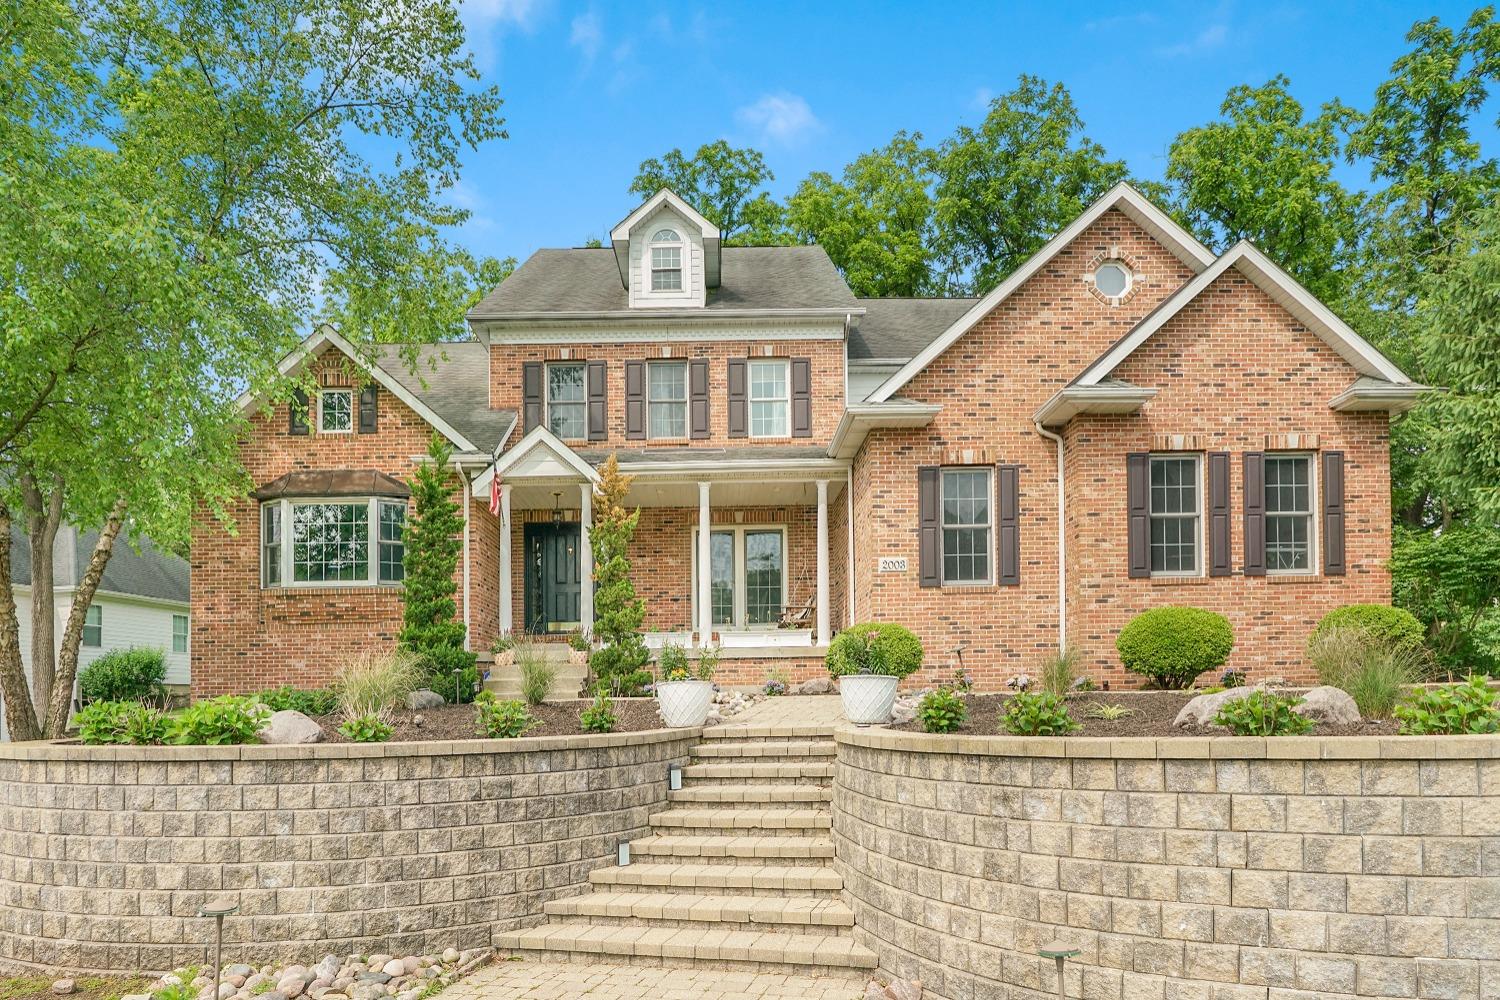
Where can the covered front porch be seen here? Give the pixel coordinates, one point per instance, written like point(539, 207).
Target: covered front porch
point(771, 527)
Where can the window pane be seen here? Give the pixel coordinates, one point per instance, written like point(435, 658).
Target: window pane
point(179, 633)
point(565, 401)
point(768, 419)
point(966, 497)
point(1174, 544)
point(1287, 542)
point(666, 269)
point(330, 542)
point(768, 380)
point(763, 572)
point(1289, 513)
point(1174, 486)
point(668, 420)
point(666, 390)
point(667, 381)
point(1174, 513)
point(337, 410)
point(270, 544)
point(721, 585)
point(93, 626)
point(966, 555)
point(392, 542)
point(1288, 485)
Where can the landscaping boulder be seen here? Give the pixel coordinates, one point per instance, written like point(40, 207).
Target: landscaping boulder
point(288, 727)
point(818, 685)
point(422, 700)
point(1202, 710)
point(64, 987)
point(1330, 705)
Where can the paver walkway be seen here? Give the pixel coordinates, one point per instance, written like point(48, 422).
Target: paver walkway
point(792, 710)
point(550, 981)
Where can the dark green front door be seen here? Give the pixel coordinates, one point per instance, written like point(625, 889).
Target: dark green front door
point(553, 588)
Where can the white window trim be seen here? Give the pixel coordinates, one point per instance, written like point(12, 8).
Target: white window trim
point(1314, 555)
point(581, 403)
point(943, 580)
point(1201, 540)
point(684, 257)
point(83, 640)
point(751, 400)
point(353, 416)
point(186, 633)
point(372, 544)
point(684, 402)
point(739, 530)
point(1129, 279)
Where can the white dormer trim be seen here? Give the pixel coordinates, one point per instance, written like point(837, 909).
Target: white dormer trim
point(667, 197)
point(641, 224)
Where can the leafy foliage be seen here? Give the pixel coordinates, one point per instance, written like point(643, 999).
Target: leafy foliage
point(874, 648)
point(1379, 623)
point(367, 729)
point(313, 702)
point(1449, 578)
point(1263, 713)
point(135, 674)
point(778, 682)
point(1173, 645)
point(1036, 713)
point(1452, 709)
point(599, 717)
point(723, 183)
point(672, 662)
point(1109, 713)
point(373, 683)
point(502, 720)
point(227, 721)
point(120, 722)
point(942, 710)
point(618, 665)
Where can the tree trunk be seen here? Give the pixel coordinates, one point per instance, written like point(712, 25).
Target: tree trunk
point(19, 715)
point(43, 517)
point(67, 658)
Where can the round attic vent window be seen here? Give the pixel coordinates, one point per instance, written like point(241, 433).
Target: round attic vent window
point(1112, 278)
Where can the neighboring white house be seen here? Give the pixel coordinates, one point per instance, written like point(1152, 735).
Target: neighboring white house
point(142, 600)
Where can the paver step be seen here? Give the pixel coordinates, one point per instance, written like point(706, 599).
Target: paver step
point(769, 732)
point(732, 795)
point(758, 771)
point(729, 751)
point(722, 849)
point(804, 953)
point(779, 879)
point(762, 820)
point(777, 914)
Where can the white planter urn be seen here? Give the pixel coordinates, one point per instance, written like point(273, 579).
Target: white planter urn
point(684, 703)
point(868, 698)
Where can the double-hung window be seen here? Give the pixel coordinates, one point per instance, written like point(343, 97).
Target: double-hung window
point(270, 545)
point(336, 411)
point(967, 525)
point(392, 542)
point(666, 399)
point(336, 542)
point(1176, 520)
point(770, 398)
point(1289, 514)
point(666, 261)
point(747, 581)
point(567, 401)
point(93, 626)
point(179, 633)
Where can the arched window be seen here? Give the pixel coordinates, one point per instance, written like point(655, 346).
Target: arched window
point(666, 261)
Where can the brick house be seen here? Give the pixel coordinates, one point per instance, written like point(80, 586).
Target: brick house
point(1220, 436)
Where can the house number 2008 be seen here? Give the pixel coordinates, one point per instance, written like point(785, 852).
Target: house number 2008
point(893, 564)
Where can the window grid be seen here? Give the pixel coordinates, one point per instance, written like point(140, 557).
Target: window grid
point(763, 572)
point(336, 411)
point(747, 588)
point(666, 399)
point(1174, 511)
point(93, 626)
point(330, 542)
point(566, 401)
point(270, 545)
point(392, 553)
point(966, 510)
point(179, 633)
point(770, 400)
point(666, 269)
point(1288, 513)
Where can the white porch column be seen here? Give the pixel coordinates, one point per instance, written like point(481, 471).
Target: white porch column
point(705, 574)
point(506, 615)
point(586, 558)
point(824, 618)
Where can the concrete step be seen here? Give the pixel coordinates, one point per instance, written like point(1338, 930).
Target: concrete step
point(734, 795)
point(732, 850)
point(802, 822)
point(757, 771)
point(737, 751)
point(768, 732)
point(798, 954)
point(774, 880)
point(769, 913)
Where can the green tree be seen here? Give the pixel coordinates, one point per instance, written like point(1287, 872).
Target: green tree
point(179, 196)
point(725, 184)
point(1265, 173)
point(1450, 579)
point(1007, 187)
point(618, 665)
point(434, 539)
point(875, 221)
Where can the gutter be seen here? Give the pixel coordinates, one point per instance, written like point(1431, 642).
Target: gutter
point(629, 315)
point(1062, 539)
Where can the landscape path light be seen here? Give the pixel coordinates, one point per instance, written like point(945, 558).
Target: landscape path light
point(218, 909)
point(1060, 951)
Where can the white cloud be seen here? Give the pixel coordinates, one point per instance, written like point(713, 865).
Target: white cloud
point(981, 99)
point(781, 117)
point(1207, 40)
point(587, 34)
point(487, 21)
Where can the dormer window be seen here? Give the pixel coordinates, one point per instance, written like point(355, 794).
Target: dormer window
point(666, 261)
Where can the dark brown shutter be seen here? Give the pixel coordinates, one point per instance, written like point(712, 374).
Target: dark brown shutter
point(1218, 513)
point(297, 413)
point(1334, 562)
point(1008, 522)
point(801, 397)
point(531, 394)
point(739, 399)
point(369, 416)
point(1138, 505)
point(635, 400)
point(1255, 513)
point(698, 397)
point(929, 530)
point(597, 396)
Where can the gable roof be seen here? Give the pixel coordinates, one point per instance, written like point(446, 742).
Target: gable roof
point(1276, 283)
point(898, 328)
point(583, 284)
point(619, 236)
point(150, 572)
point(538, 440)
point(453, 379)
point(1122, 196)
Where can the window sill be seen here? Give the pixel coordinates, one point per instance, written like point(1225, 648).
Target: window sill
point(333, 588)
point(1293, 578)
point(1179, 581)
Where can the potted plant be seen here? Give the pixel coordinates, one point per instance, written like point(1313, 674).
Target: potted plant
point(578, 649)
point(870, 660)
point(504, 649)
point(685, 695)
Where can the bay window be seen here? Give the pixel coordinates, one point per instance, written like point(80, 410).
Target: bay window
point(331, 542)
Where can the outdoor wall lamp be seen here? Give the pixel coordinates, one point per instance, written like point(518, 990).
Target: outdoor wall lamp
point(622, 853)
point(674, 777)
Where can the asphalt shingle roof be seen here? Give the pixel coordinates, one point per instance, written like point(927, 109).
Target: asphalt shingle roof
point(147, 573)
point(900, 328)
point(453, 379)
point(668, 456)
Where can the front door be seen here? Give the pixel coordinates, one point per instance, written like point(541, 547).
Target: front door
point(553, 589)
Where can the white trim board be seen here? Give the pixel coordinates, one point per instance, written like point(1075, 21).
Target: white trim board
point(1179, 241)
point(538, 438)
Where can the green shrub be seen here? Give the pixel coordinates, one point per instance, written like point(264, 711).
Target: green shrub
point(314, 701)
point(883, 648)
point(537, 672)
point(579, 642)
point(1263, 713)
point(1395, 627)
point(1471, 706)
point(1059, 671)
point(370, 683)
point(708, 662)
point(672, 663)
point(120, 722)
point(1372, 670)
point(1039, 713)
point(135, 674)
point(942, 711)
point(367, 729)
point(503, 720)
point(227, 721)
point(598, 717)
point(1171, 646)
point(450, 672)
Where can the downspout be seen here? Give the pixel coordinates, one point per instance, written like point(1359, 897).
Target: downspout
point(1062, 548)
point(849, 516)
point(463, 474)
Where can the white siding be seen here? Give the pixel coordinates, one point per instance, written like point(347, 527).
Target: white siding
point(693, 294)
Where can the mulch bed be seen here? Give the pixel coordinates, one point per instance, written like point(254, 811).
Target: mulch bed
point(1152, 713)
point(457, 722)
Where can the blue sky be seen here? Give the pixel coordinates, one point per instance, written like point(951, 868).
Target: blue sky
point(591, 89)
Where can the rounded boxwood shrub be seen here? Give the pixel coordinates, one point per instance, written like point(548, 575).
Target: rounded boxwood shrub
point(1172, 646)
point(135, 674)
point(1396, 628)
point(875, 648)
